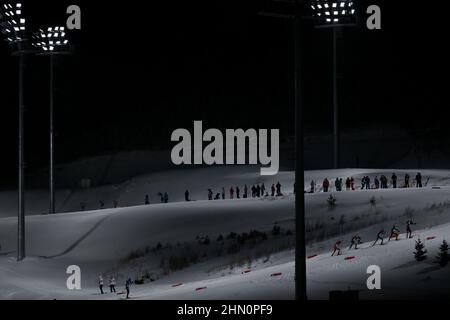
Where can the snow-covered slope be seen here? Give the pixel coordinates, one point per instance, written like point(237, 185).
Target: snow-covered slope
point(98, 241)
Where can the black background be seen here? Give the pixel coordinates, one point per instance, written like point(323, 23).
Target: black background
point(142, 69)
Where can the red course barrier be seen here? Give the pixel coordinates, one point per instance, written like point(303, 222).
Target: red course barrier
point(177, 285)
point(276, 274)
point(247, 271)
point(312, 257)
point(431, 238)
point(349, 258)
point(201, 288)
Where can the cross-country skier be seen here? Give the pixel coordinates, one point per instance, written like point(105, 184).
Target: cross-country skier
point(419, 180)
point(147, 200)
point(337, 248)
point(217, 197)
point(380, 236)
point(394, 233)
point(112, 284)
point(100, 284)
point(186, 196)
point(394, 180)
point(127, 287)
point(409, 223)
point(356, 239)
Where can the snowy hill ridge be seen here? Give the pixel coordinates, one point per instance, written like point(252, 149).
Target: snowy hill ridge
point(99, 240)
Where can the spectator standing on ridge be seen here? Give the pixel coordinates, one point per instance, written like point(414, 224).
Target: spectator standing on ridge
point(210, 194)
point(278, 186)
point(407, 180)
point(419, 180)
point(186, 196)
point(273, 190)
point(325, 185)
point(238, 193)
point(231, 193)
point(394, 180)
point(313, 187)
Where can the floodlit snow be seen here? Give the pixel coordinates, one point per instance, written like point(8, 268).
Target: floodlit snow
point(97, 240)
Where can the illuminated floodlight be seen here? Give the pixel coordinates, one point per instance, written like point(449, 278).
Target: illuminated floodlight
point(333, 12)
point(54, 39)
point(12, 23)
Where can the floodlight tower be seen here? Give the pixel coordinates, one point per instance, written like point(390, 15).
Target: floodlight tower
point(334, 14)
point(13, 27)
point(51, 42)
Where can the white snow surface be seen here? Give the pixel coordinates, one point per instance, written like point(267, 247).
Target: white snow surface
point(98, 240)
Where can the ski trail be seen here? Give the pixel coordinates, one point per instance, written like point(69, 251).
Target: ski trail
point(76, 243)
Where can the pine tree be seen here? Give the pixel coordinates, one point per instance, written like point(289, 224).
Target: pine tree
point(420, 253)
point(443, 257)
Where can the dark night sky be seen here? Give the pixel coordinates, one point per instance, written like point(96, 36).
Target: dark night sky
point(139, 72)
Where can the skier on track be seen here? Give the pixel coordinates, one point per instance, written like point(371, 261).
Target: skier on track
point(394, 233)
point(394, 180)
point(380, 236)
point(112, 284)
point(127, 287)
point(100, 284)
point(337, 248)
point(409, 223)
point(356, 240)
